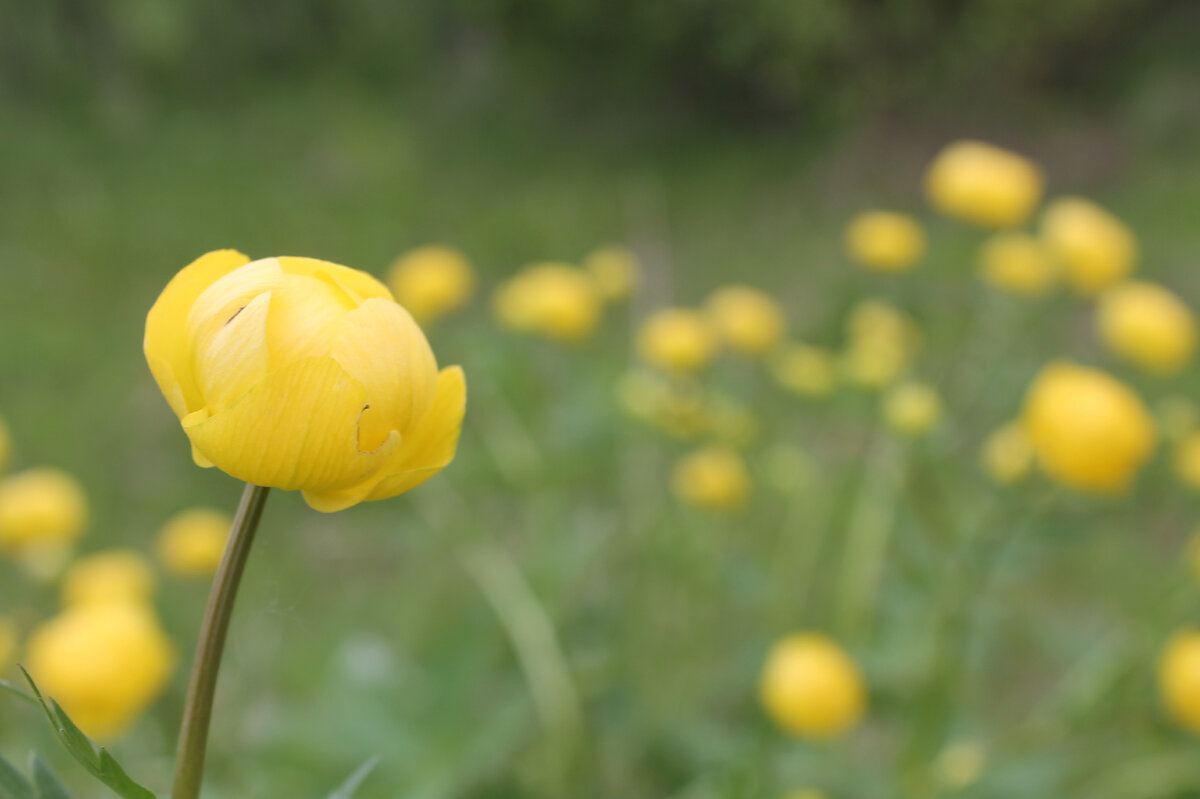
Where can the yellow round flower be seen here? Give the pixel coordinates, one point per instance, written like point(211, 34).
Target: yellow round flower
point(8, 643)
point(1147, 325)
point(714, 478)
point(117, 576)
point(747, 320)
point(1007, 454)
point(615, 271)
point(192, 542)
point(805, 370)
point(431, 281)
point(103, 663)
point(983, 184)
point(1096, 250)
point(811, 688)
point(6, 445)
point(1089, 431)
point(912, 408)
point(40, 508)
point(553, 300)
point(302, 374)
point(885, 241)
point(1017, 263)
point(1177, 416)
point(1179, 678)
point(677, 340)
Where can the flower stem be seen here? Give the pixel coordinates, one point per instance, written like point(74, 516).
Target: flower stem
point(197, 712)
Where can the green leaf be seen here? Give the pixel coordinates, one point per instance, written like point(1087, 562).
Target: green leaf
point(355, 780)
point(48, 786)
point(12, 784)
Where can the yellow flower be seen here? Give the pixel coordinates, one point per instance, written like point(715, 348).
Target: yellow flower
point(431, 281)
point(1095, 248)
point(882, 342)
point(912, 408)
point(811, 688)
point(192, 542)
point(553, 300)
point(615, 271)
point(8, 642)
point(1179, 678)
point(41, 508)
point(959, 764)
point(1089, 430)
point(1177, 416)
point(103, 663)
point(116, 576)
point(885, 240)
point(1017, 263)
point(1007, 454)
point(677, 340)
point(6, 445)
point(804, 370)
point(877, 319)
point(983, 184)
point(1147, 325)
point(747, 320)
point(302, 374)
point(714, 478)
point(1187, 460)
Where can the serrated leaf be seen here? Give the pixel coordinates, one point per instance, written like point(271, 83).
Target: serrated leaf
point(348, 788)
point(47, 784)
point(12, 784)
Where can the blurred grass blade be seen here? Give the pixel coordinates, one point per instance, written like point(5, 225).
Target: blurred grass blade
point(48, 785)
point(12, 784)
point(350, 787)
point(5, 685)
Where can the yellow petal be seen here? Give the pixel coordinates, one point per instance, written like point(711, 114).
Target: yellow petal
point(233, 359)
point(358, 285)
point(304, 311)
point(166, 341)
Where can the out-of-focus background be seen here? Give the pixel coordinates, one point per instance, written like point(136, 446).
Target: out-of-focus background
point(544, 619)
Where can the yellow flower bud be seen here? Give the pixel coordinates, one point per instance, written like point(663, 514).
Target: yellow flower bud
point(431, 281)
point(811, 688)
point(912, 408)
point(8, 643)
point(677, 340)
point(192, 542)
point(41, 508)
point(885, 241)
point(1179, 678)
point(1177, 416)
point(117, 576)
point(959, 764)
point(1186, 460)
point(804, 370)
point(877, 319)
point(747, 320)
point(1147, 325)
point(553, 300)
point(6, 445)
point(103, 663)
point(615, 271)
point(303, 375)
point(1017, 263)
point(983, 184)
point(1095, 249)
point(1007, 454)
point(1089, 431)
point(714, 478)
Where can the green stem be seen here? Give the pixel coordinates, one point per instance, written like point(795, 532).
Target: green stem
point(197, 711)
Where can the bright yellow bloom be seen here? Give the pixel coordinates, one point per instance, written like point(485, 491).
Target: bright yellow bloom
point(885, 240)
point(1179, 678)
point(714, 478)
point(41, 508)
point(1147, 325)
point(959, 764)
point(431, 281)
point(192, 542)
point(811, 688)
point(912, 408)
point(554, 300)
point(1017, 263)
point(747, 320)
point(302, 374)
point(805, 370)
point(8, 643)
point(116, 576)
point(1007, 454)
point(1095, 248)
point(983, 184)
point(1089, 431)
point(677, 340)
point(103, 663)
point(615, 271)
point(1186, 460)
point(6, 445)
point(1177, 416)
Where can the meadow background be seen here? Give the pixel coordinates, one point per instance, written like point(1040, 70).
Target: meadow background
point(544, 619)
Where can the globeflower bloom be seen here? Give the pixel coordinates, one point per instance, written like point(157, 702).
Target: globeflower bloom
point(714, 478)
point(615, 271)
point(885, 241)
point(1147, 325)
point(120, 576)
point(747, 320)
point(431, 281)
point(41, 509)
point(192, 542)
point(1179, 678)
point(1089, 431)
point(983, 184)
point(676, 340)
point(1017, 263)
point(811, 688)
point(554, 300)
point(805, 370)
point(1007, 454)
point(304, 375)
point(1095, 248)
point(912, 408)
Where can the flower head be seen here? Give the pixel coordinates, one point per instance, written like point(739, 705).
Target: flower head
point(747, 320)
point(714, 478)
point(1095, 249)
point(431, 281)
point(1017, 263)
point(115, 576)
point(615, 271)
point(1147, 325)
point(676, 340)
point(554, 300)
point(1179, 678)
point(1007, 454)
point(41, 508)
point(805, 370)
point(885, 241)
point(983, 184)
point(811, 688)
point(912, 408)
point(192, 542)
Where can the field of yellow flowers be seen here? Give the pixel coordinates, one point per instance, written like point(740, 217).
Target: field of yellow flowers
point(762, 489)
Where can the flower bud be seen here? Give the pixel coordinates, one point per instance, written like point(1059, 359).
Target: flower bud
point(1017, 263)
point(192, 542)
point(746, 320)
point(983, 184)
point(805, 370)
point(1095, 249)
point(811, 688)
point(714, 478)
point(677, 340)
point(615, 271)
point(116, 576)
point(1007, 454)
point(912, 408)
point(885, 241)
point(431, 281)
point(40, 509)
point(553, 300)
point(1147, 325)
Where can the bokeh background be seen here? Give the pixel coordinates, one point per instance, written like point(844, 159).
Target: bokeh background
point(543, 619)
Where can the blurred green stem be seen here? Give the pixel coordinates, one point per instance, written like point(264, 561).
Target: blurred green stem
point(197, 711)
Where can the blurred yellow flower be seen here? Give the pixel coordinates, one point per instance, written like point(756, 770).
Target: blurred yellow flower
point(1017, 263)
point(912, 408)
point(811, 688)
point(303, 374)
point(804, 370)
point(615, 271)
point(1147, 325)
point(885, 241)
point(192, 542)
point(746, 320)
point(882, 342)
point(983, 184)
point(1007, 454)
point(8, 643)
point(1177, 416)
point(1186, 460)
point(677, 340)
point(6, 445)
point(959, 764)
point(554, 300)
point(41, 508)
point(103, 663)
point(714, 478)
point(1089, 431)
point(1095, 249)
point(431, 281)
point(115, 576)
point(1179, 678)
point(877, 319)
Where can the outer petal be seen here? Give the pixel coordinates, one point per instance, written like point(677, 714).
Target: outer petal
point(233, 359)
point(166, 340)
point(358, 285)
point(298, 429)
